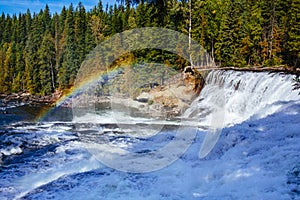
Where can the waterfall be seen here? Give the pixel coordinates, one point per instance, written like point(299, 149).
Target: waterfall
point(231, 97)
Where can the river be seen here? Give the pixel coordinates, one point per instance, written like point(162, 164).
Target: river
point(243, 143)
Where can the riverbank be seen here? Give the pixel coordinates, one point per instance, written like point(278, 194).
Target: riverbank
point(171, 99)
point(27, 98)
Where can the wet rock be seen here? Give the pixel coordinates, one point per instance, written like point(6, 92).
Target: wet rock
point(144, 97)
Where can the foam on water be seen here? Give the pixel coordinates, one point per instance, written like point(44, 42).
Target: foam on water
point(241, 95)
point(247, 163)
point(257, 149)
point(109, 117)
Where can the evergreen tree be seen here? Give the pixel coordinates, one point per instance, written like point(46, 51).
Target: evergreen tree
point(46, 55)
point(36, 37)
point(98, 27)
point(69, 67)
point(7, 30)
point(293, 35)
point(46, 18)
point(7, 69)
point(22, 30)
point(30, 62)
point(2, 26)
point(18, 82)
point(15, 30)
point(80, 30)
point(232, 36)
point(175, 15)
point(57, 44)
point(131, 19)
point(2, 58)
point(89, 39)
point(28, 21)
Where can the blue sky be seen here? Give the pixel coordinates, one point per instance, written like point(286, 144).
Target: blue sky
point(17, 6)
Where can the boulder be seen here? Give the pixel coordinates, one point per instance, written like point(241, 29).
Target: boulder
point(144, 97)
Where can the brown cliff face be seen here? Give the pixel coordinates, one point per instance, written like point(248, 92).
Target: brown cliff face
point(172, 99)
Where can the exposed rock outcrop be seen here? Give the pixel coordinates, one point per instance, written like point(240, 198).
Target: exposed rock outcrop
point(175, 96)
point(28, 98)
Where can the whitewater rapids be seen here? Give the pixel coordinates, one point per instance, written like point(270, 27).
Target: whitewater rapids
point(256, 157)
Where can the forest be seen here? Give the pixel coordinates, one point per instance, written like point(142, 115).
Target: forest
point(42, 52)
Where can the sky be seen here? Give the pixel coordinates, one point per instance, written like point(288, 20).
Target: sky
point(16, 6)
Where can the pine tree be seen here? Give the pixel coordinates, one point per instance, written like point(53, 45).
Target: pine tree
point(22, 30)
point(252, 30)
point(69, 67)
point(175, 15)
point(8, 67)
point(221, 15)
point(232, 36)
point(80, 30)
point(18, 82)
point(2, 58)
point(28, 21)
point(89, 39)
point(97, 27)
point(117, 22)
point(2, 26)
point(7, 30)
point(15, 30)
point(46, 18)
point(32, 69)
point(142, 18)
point(29, 65)
point(131, 19)
point(293, 43)
point(46, 55)
point(57, 45)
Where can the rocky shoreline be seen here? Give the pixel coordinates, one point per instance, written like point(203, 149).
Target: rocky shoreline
point(162, 101)
point(169, 100)
point(27, 98)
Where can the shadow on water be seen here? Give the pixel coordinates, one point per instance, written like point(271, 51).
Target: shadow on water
point(34, 113)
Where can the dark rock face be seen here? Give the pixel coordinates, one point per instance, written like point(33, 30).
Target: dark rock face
point(142, 100)
point(193, 76)
point(189, 70)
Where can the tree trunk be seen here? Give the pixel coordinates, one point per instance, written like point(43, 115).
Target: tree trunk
point(52, 77)
point(212, 50)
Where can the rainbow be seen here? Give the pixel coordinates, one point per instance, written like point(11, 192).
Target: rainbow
point(79, 87)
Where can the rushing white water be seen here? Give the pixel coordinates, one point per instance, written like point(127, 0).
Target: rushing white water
point(240, 96)
point(256, 156)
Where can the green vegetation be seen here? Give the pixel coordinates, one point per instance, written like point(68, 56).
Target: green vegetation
point(42, 52)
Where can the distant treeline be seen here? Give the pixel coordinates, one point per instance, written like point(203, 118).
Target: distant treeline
point(42, 52)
